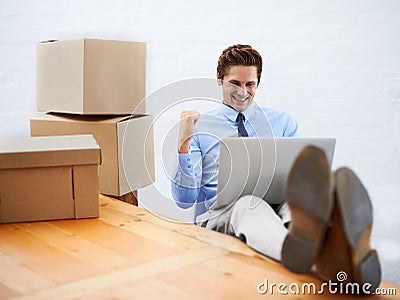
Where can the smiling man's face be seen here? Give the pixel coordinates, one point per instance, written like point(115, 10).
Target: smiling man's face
point(239, 86)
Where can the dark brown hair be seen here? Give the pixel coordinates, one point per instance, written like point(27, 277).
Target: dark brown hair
point(239, 55)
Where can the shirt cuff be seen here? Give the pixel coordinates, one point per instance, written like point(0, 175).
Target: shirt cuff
point(186, 164)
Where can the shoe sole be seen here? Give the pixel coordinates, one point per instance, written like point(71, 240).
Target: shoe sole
point(356, 214)
point(308, 195)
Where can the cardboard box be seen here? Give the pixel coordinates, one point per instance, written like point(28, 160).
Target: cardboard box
point(89, 76)
point(49, 178)
point(126, 142)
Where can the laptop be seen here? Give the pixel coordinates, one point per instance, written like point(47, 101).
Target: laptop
point(260, 166)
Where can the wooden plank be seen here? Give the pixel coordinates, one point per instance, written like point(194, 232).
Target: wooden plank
point(155, 232)
point(232, 276)
point(40, 257)
point(235, 276)
point(25, 282)
point(181, 231)
point(129, 244)
point(81, 288)
point(76, 246)
point(17, 278)
point(207, 283)
point(7, 293)
point(141, 289)
point(137, 213)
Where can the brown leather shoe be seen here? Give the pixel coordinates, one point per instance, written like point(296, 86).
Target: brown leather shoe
point(309, 198)
point(346, 248)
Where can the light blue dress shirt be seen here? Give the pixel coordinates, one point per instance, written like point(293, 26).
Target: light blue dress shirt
point(195, 177)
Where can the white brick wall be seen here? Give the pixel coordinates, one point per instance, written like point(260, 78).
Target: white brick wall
point(334, 65)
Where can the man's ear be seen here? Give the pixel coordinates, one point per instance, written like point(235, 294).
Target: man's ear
point(219, 80)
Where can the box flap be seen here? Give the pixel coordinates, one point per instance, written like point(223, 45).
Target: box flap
point(112, 119)
point(49, 151)
point(48, 41)
point(81, 118)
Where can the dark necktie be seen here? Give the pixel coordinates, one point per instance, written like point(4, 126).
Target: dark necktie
point(240, 120)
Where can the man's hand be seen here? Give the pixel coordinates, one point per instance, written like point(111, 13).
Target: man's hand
point(189, 118)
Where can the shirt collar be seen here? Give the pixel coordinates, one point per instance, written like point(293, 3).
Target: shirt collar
point(231, 114)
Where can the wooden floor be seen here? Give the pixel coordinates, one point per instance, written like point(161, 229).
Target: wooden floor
point(128, 253)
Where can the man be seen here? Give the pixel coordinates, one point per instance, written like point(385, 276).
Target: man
point(264, 227)
point(195, 180)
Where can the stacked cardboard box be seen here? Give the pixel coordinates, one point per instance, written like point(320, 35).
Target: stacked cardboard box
point(89, 76)
point(97, 87)
point(126, 144)
point(45, 178)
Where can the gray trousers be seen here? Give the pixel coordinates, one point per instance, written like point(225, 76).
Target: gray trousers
point(252, 220)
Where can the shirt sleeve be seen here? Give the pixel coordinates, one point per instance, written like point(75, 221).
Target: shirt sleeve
point(186, 179)
point(292, 127)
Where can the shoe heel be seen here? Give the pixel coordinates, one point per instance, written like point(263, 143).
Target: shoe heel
point(298, 253)
point(369, 271)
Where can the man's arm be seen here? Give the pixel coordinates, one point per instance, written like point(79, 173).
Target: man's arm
point(188, 120)
point(186, 180)
point(291, 128)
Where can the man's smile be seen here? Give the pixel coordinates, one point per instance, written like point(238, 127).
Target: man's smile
point(241, 99)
